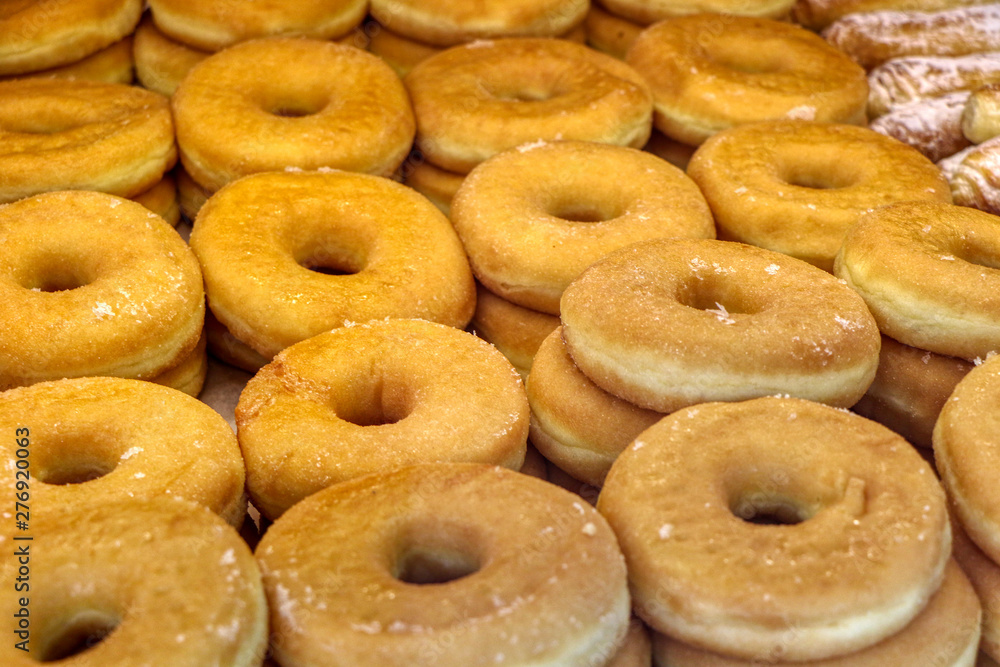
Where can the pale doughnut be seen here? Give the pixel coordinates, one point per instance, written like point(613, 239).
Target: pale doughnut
point(711, 72)
point(927, 272)
point(535, 579)
point(796, 187)
point(637, 651)
point(673, 322)
point(438, 185)
point(646, 12)
point(112, 64)
point(160, 62)
point(933, 126)
point(777, 529)
point(913, 78)
point(981, 116)
point(975, 179)
point(161, 199)
point(392, 254)
point(817, 14)
point(610, 33)
point(985, 577)
point(514, 330)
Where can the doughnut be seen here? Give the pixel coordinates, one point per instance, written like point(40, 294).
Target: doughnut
point(796, 187)
point(299, 103)
point(212, 25)
point(801, 542)
point(871, 38)
point(227, 348)
point(534, 464)
point(563, 479)
point(289, 255)
point(975, 180)
point(913, 78)
point(927, 272)
point(400, 53)
point(160, 62)
point(74, 304)
point(189, 374)
point(41, 35)
point(81, 135)
point(477, 100)
point(137, 581)
point(665, 148)
point(984, 575)
point(574, 423)
point(535, 579)
point(528, 238)
point(112, 64)
point(161, 199)
point(637, 649)
point(909, 390)
point(646, 12)
point(981, 116)
point(933, 126)
point(609, 33)
point(709, 73)
point(514, 330)
point(818, 14)
point(438, 185)
point(451, 22)
point(945, 634)
point(190, 196)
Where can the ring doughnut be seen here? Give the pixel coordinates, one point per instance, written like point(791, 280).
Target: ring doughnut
point(82, 135)
point(161, 199)
point(227, 348)
point(516, 331)
point(796, 187)
point(189, 375)
point(190, 196)
point(913, 78)
point(299, 102)
point(984, 575)
point(536, 579)
point(477, 100)
point(160, 62)
point(926, 271)
point(672, 151)
point(438, 185)
point(975, 178)
point(981, 116)
point(647, 12)
point(72, 305)
point(761, 544)
point(400, 53)
point(528, 238)
point(932, 126)
point(112, 64)
point(674, 322)
point(265, 241)
point(188, 592)
point(709, 73)
point(610, 33)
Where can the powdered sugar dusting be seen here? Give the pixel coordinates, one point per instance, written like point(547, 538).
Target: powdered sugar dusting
point(932, 126)
point(102, 310)
point(919, 77)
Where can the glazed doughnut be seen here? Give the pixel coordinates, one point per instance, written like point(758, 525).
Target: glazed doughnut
point(212, 25)
point(665, 148)
point(514, 330)
point(161, 199)
point(926, 271)
point(909, 390)
point(574, 423)
point(477, 100)
point(933, 126)
point(646, 12)
point(447, 22)
point(914, 78)
point(81, 135)
point(609, 33)
point(438, 185)
point(160, 62)
point(187, 593)
point(796, 187)
point(125, 439)
point(73, 305)
point(818, 14)
point(190, 196)
point(267, 242)
point(299, 102)
point(672, 322)
point(984, 575)
point(975, 180)
point(189, 375)
point(945, 634)
point(41, 35)
point(871, 38)
point(227, 348)
point(801, 542)
point(112, 64)
point(535, 579)
point(528, 238)
point(981, 116)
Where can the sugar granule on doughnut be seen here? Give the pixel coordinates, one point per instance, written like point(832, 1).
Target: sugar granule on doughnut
point(112, 64)
point(933, 126)
point(82, 135)
point(269, 104)
point(528, 238)
point(646, 12)
point(432, 569)
point(913, 78)
point(474, 101)
point(514, 330)
point(674, 322)
point(928, 273)
point(160, 62)
point(818, 14)
point(777, 529)
point(72, 305)
point(981, 117)
point(975, 178)
point(984, 575)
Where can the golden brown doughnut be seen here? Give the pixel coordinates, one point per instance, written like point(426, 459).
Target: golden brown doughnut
point(160, 62)
point(933, 126)
point(514, 330)
point(913, 78)
point(985, 577)
point(646, 12)
point(438, 185)
point(975, 178)
point(112, 64)
point(401, 53)
point(161, 199)
point(227, 348)
point(817, 14)
point(610, 33)
point(190, 196)
point(665, 148)
point(189, 374)
point(981, 115)
point(777, 529)
point(637, 651)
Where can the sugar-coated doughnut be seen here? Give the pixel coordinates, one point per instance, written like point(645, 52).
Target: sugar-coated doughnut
point(610, 33)
point(711, 72)
point(528, 238)
point(474, 101)
point(189, 375)
point(984, 575)
point(927, 272)
point(981, 116)
point(945, 634)
point(372, 397)
point(438, 185)
point(903, 80)
point(229, 349)
point(299, 103)
point(161, 199)
point(188, 592)
point(71, 304)
point(190, 196)
point(40, 35)
point(160, 62)
point(796, 187)
point(673, 322)
point(574, 423)
point(82, 135)
point(818, 14)
point(975, 178)
point(777, 529)
point(933, 126)
point(514, 330)
point(534, 579)
point(646, 12)
point(112, 64)
point(289, 255)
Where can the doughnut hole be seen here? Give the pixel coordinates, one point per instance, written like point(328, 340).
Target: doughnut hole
point(78, 634)
point(292, 104)
point(737, 57)
point(721, 297)
point(817, 171)
point(429, 551)
point(55, 272)
point(584, 209)
point(335, 256)
point(372, 399)
point(979, 251)
point(76, 458)
point(540, 84)
point(771, 494)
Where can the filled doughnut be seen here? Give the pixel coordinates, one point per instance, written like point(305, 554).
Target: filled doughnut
point(528, 238)
point(927, 272)
point(534, 579)
point(801, 542)
point(160, 62)
point(984, 575)
point(161, 199)
point(933, 126)
point(477, 100)
point(438, 185)
point(74, 305)
point(915, 78)
point(514, 330)
point(289, 255)
point(609, 33)
point(818, 14)
point(112, 64)
point(975, 178)
point(646, 12)
point(709, 73)
point(796, 187)
point(981, 116)
point(672, 322)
